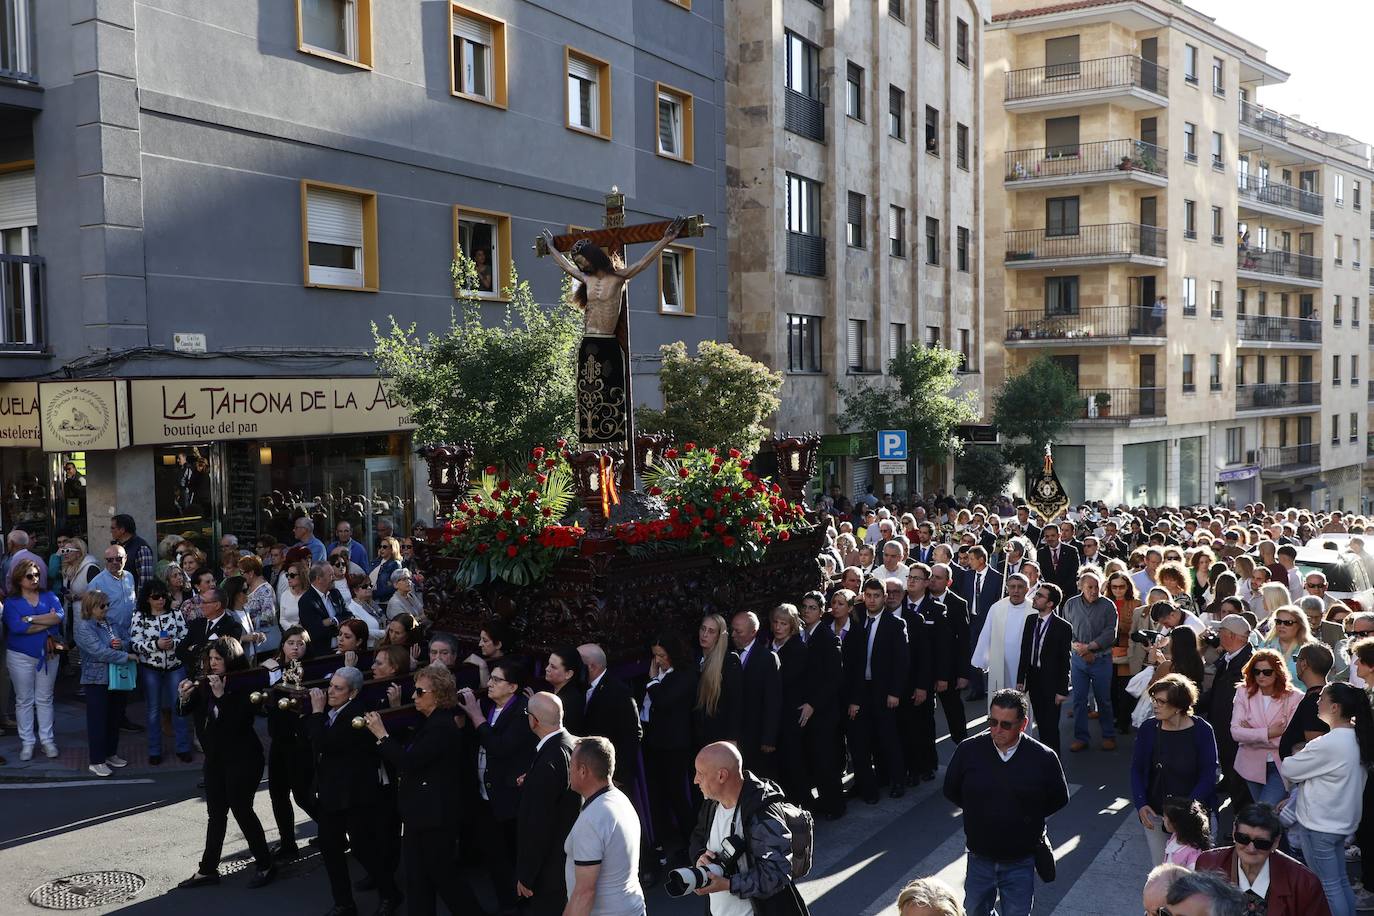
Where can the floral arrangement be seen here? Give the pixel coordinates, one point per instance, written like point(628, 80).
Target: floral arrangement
point(511, 527)
point(716, 505)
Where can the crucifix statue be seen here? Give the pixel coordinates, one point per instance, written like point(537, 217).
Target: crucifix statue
point(595, 259)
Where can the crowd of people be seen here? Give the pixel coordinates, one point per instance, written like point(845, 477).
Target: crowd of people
point(1198, 630)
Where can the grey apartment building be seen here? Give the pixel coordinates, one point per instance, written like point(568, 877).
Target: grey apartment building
point(203, 206)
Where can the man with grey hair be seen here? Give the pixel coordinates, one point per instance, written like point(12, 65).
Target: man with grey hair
point(1156, 892)
point(17, 544)
point(1200, 894)
point(351, 800)
point(443, 649)
point(612, 713)
point(1094, 621)
point(321, 608)
point(601, 852)
point(761, 689)
point(304, 529)
point(928, 897)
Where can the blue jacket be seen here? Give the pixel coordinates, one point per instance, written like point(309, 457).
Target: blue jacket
point(317, 552)
point(93, 637)
point(1204, 751)
point(357, 553)
point(123, 598)
point(17, 637)
point(385, 589)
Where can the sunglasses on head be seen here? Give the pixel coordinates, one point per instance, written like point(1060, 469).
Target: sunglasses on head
point(1244, 839)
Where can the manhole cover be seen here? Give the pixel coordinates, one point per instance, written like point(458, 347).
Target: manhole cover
point(96, 888)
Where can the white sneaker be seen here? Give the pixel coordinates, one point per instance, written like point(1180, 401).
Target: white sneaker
point(49, 749)
point(100, 769)
point(26, 752)
point(116, 761)
point(1352, 853)
point(1364, 900)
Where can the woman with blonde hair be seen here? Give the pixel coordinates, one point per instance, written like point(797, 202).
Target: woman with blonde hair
point(297, 577)
point(77, 569)
point(848, 549)
point(717, 713)
point(1290, 632)
point(1274, 596)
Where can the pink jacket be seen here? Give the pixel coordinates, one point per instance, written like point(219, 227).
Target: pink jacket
point(1250, 729)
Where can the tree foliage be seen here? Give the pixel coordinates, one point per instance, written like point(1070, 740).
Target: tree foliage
point(984, 471)
point(917, 397)
point(505, 388)
point(1033, 409)
point(720, 397)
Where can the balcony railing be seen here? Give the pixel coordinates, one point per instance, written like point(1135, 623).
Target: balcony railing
point(1273, 329)
point(1267, 122)
point(1109, 240)
point(21, 302)
point(1279, 263)
point(1082, 159)
point(1120, 404)
point(1124, 72)
point(1093, 322)
point(1278, 194)
point(1275, 396)
point(805, 254)
point(1290, 456)
point(803, 115)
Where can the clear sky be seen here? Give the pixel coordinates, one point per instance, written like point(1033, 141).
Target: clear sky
point(1322, 44)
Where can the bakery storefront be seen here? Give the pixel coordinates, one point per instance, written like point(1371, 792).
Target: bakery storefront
point(247, 456)
point(43, 493)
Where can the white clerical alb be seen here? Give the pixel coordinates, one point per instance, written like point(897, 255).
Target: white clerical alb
point(999, 644)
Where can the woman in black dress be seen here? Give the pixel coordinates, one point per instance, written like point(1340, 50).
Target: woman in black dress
point(233, 761)
point(667, 715)
point(567, 675)
point(716, 716)
point(290, 761)
point(785, 623)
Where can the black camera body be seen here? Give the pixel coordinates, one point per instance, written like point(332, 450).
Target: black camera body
point(1146, 638)
point(1211, 639)
point(682, 881)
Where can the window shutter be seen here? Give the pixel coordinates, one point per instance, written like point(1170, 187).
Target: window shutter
point(472, 30)
point(855, 344)
point(672, 299)
point(667, 125)
point(583, 69)
point(18, 200)
point(334, 218)
point(895, 334)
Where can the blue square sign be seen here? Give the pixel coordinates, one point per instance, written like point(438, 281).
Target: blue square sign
point(892, 445)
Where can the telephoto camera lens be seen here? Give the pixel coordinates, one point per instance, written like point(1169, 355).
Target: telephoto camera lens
point(682, 881)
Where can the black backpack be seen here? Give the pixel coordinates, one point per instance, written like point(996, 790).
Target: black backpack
point(802, 827)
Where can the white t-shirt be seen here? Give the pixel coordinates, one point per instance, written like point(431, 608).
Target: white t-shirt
point(607, 834)
point(725, 903)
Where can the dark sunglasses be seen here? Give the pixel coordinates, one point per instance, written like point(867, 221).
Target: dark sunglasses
point(1264, 672)
point(1285, 621)
point(1009, 725)
point(1316, 585)
point(32, 575)
point(421, 691)
point(1244, 839)
point(114, 559)
point(293, 575)
point(340, 563)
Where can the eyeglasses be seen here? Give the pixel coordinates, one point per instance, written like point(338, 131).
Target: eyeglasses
point(1264, 672)
point(1317, 586)
point(1244, 839)
point(1009, 725)
point(114, 559)
point(32, 575)
point(1285, 621)
point(496, 679)
point(340, 563)
point(293, 575)
point(420, 691)
point(407, 546)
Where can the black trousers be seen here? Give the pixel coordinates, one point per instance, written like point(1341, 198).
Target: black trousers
point(1233, 786)
point(1123, 704)
point(1364, 835)
point(356, 826)
point(231, 788)
point(955, 718)
point(873, 738)
point(668, 775)
point(1047, 713)
point(823, 747)
point(917, 727)
point(431, 873)
point(290, 772)
point(498, 853)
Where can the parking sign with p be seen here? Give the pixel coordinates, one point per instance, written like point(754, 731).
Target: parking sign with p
point(892, 445)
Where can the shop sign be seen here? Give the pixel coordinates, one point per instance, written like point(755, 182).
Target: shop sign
point(844, 445)
point(19, 427)
point(86, 415)
point(1235, 474)
point(889, 468)
point(190, 409)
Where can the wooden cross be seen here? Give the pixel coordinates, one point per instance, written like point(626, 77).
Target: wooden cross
point(612, 239)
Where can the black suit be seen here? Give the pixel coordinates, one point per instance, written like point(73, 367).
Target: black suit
point(668, 754)
point(790, 761)
point(509, 746)
point(199, 634)
point(953, 656)
point(290, 770)
point(574, 700)
point(428, 801)
point(725, 724)
point(922, 553)
point(1216, 707)
point(979, 601)
point(313, 617)
point(1064, 573)
point(613, 714)
point(870, 678)
point(822, 688)
point(1048, 676)
point(760, 709)
point(351, 800)
point(548, 808)
point(917, 722)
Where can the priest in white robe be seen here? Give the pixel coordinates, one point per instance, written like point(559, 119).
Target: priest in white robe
point(999, 645)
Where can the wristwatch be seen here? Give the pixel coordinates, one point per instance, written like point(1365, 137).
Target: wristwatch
point(28, 618)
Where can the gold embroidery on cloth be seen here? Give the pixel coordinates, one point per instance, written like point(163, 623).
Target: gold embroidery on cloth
point(601, 408)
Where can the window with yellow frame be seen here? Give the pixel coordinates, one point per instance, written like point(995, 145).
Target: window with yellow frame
point(677, 281)
point(339, 236)
point(675, 128)
point(484, 236)
point(477, 57)
point(339, 30)
point(588, 99)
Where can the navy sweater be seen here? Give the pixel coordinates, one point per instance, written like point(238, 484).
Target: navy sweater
point(1005, 804)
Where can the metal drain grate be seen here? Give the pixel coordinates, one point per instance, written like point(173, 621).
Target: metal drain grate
point(97, 888)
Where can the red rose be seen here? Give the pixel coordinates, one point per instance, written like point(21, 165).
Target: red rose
point(530, 466)
point(710, 513)
point(464, 507)
point(502, 536)
point(734, 453)
point(765, 540)
point(670, 453)
point(548, 513)
point(784, 535)
point(511, 551)
point(744, 464)
point(655, 491)
point(690, 446)
point(482, 548)
point(542, 479)
point(719, 527)
point(538, 452)
point(523, 539)
point(728, 541)
point(507, 515)
point(550, 462)
point(503, 485)
point(683, 473)
point(562, 443)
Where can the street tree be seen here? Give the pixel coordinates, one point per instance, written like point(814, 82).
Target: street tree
point(720, 397)
point(918, 396)
point(505, 387)
point(984, 471)
point(1034, 409)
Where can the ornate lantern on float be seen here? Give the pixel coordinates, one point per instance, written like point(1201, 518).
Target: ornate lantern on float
point(448, 476)
point(593, 477)
point(649, 448)
point(796, 463)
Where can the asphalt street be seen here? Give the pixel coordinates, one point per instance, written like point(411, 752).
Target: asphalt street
point(151, 822)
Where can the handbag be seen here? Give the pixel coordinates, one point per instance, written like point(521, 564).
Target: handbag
point(1044, 859)
point(123, 675)
point(54, 646)
point(1140, 681)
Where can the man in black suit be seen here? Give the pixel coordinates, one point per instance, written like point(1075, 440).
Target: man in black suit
point(925, 543)
point(350, 792)
point(613, 714)
point(1029, 528)
point(953, 652)
point(1216, 703)
point(916, 715)
point(820, 711)
point(1058, 562)
point(981, 589)
point(876, 659)
point(321, 609)
point(1043, 673)
point(204, 630)
point(505, 748)
point(761, 696)
point(548, 808)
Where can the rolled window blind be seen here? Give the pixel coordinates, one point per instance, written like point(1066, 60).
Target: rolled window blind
point(583, 69)
point(335, 218)
point(18, 200)
point(473, 30)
